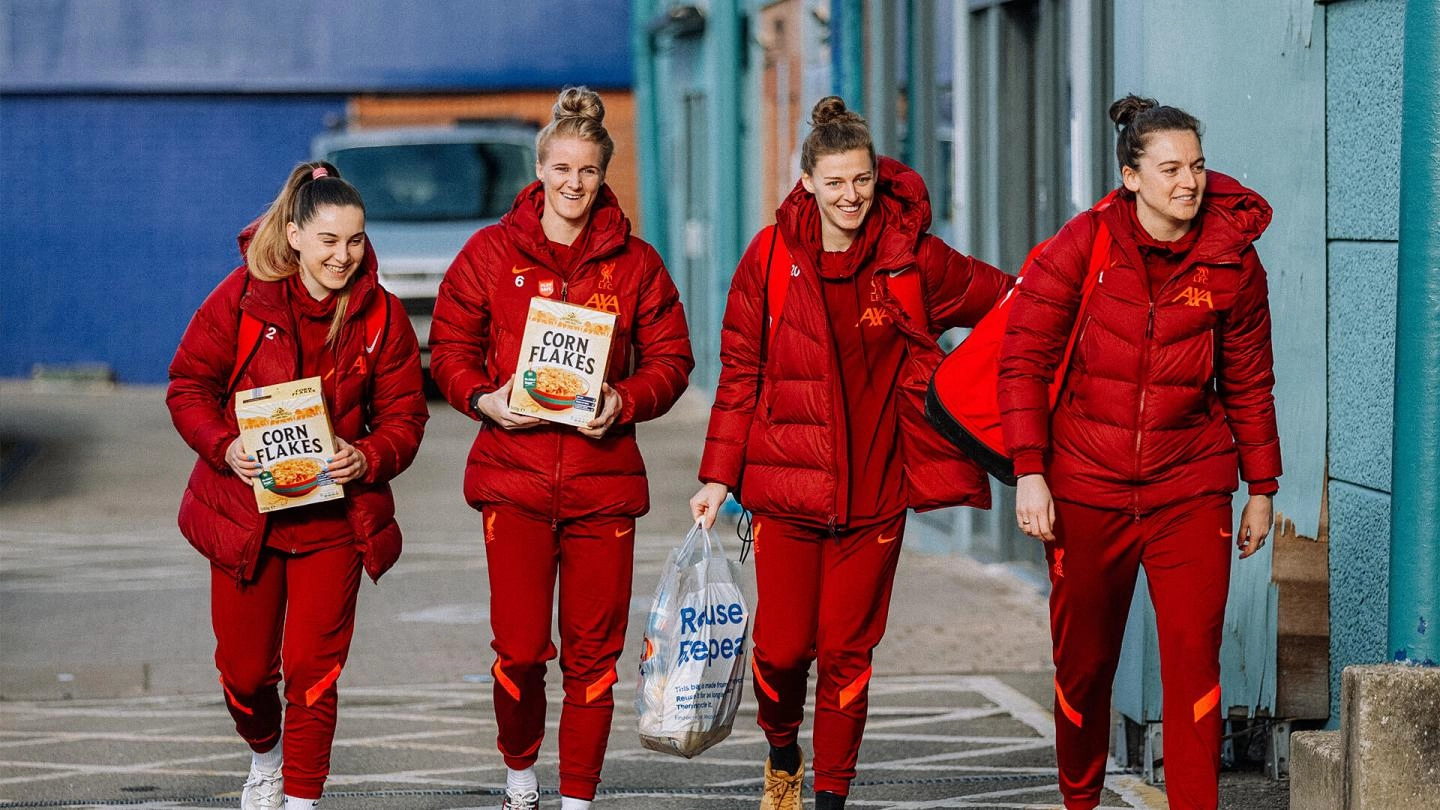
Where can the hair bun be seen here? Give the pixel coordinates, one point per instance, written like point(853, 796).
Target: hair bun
point(831, 110)
point(578, 102)
point(1123, 111)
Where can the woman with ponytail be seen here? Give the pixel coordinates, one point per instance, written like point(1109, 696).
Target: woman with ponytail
point(818, 425)
point(1167, 397)
point(283, 584)
point(559, 502)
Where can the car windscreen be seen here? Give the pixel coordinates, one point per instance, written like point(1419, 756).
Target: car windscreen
point(436, 182)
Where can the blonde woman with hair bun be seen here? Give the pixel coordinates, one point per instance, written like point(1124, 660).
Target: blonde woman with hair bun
point(559, 503)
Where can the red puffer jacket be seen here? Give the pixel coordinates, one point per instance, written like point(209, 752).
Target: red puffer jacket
point(788, 456)
point(553, 471)
point(379, 407)
point(1163, 390)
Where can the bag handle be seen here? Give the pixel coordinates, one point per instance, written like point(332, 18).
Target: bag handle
point(698, 533)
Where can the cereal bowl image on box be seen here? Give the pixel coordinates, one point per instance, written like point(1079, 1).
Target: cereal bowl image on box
point(556, 388)
point(294, 477)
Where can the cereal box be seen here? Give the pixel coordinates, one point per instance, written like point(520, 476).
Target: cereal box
point(562, 362)
point(286, 429)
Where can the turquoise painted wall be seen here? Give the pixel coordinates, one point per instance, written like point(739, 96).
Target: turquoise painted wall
point(1363, 68)
point(1271, 135)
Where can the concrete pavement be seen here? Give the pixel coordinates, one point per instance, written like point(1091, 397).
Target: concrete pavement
point(108, 696)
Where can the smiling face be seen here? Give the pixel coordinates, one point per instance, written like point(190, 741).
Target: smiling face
point(331, 246)
point(571, 172)
point(844, 187)
point(1169, 183)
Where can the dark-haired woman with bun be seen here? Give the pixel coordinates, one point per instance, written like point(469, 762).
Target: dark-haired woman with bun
point(283, 584)
point(1167, 397)
point(559, 502)
point(818, 423)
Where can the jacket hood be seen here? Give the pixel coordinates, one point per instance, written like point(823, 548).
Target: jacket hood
point(269, 299)
point(1233, 216)
point(606, 232)
point(900, 215)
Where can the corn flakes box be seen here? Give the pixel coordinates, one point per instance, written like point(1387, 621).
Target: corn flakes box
point(285, 427)
point(562, 362)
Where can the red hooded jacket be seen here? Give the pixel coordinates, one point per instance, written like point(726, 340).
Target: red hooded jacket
point(788, 455)
point(379, 407)
point(1164, 390)
point(552, 471)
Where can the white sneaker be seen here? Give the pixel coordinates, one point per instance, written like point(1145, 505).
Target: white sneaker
point(521, 800)
point(263, 790)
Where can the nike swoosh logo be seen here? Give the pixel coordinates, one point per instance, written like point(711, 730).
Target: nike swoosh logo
point(373, 343)
point(883, 539)
point(518, 270)
point(619, 533)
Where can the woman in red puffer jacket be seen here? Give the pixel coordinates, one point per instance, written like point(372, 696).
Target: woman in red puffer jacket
point(284, 584)
point(819, 422)
point(559, 501)
point(1167, 394)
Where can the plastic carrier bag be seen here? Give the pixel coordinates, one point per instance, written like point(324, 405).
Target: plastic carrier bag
point(692, 662)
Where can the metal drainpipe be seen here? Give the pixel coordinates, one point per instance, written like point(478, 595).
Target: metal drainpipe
point(653, 212)
point(1414, 625)
point(847, 51)
point(726, 65)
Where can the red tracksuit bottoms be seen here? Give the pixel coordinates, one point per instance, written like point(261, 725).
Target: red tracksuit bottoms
point(826, 597)
point(1185, 549)
point(593, 558)
point(298, 613)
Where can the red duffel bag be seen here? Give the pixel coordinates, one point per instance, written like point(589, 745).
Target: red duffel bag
point(963, 400)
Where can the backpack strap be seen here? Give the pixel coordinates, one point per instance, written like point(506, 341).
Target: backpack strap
point(247, 339)
point(905, 286)
point(247, 342)
point(776, 284)
point(1099, 259)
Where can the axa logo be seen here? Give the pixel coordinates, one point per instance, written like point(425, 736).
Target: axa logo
point(1194, 296)
point(605, 302)
point(875, 316)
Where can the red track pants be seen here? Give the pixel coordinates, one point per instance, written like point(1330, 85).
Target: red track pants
point(593, 559)
point(1185, 549)
point(299, 610)
point(828, 598)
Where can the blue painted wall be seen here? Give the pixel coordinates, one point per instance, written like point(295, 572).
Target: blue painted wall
point(120, 214)
point(314, 46)
point(1363, 100)
point(137, 138)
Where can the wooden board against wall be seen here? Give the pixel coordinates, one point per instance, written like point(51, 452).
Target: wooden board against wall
point(1302, 646)
point(377, 111)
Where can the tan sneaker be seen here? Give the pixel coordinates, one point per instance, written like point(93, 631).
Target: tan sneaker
point(782, 790)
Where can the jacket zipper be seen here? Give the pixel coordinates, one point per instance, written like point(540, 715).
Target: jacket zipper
point(559, 442)
point(1140, 415)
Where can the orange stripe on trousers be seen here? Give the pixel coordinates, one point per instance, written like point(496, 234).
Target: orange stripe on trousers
point(849, 693)
point(230, 696)
point(600, 686)
point(313, 693)
point(505, 683)
point(760, 682)
point(1065, 707)
point(1205, 704)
